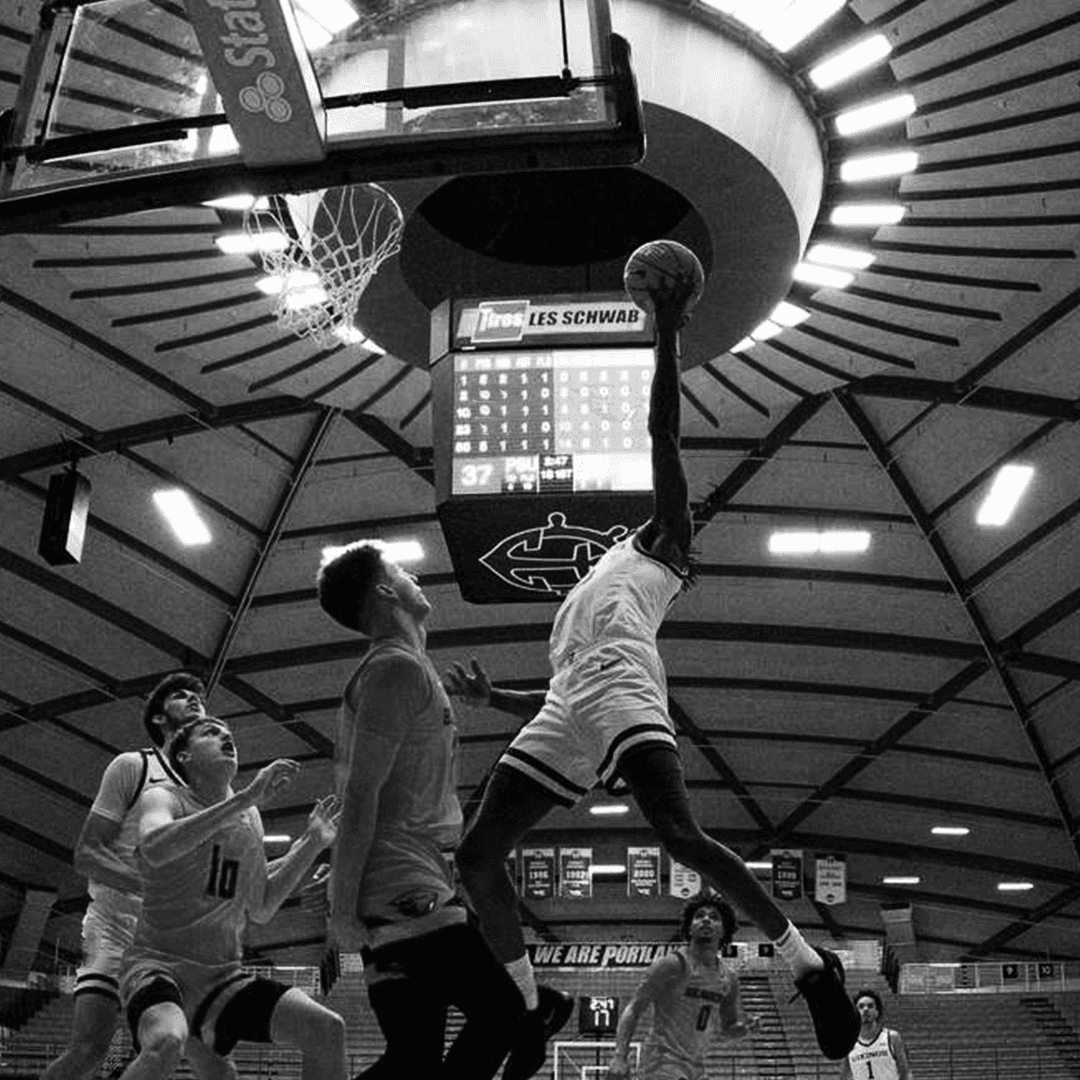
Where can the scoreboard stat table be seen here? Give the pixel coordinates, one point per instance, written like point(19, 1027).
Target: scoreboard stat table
point(555, 420)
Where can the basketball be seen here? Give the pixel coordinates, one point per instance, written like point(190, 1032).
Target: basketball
point(663, 268)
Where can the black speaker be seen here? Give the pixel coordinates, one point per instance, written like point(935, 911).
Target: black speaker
point(64, 528)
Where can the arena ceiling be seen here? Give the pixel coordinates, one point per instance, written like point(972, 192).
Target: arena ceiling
point(832, 705)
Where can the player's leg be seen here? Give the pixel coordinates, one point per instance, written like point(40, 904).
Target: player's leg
point(91, 1032)
point(205, 1064)
point(654, 775)
point(410, 1005)
point(316, 1031)
point(160, 1030)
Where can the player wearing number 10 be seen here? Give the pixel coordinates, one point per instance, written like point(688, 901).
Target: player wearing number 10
point(879, 1054)
point(694, 997)
point(205, 872)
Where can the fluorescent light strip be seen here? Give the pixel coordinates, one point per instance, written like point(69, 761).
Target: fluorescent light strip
point(332, 15)
point(759, 866)
point(607, 868)
point(876, 114)
point(834, 255)
point(742, 346)
point(609, 809)
point(901, 880)
point(242, 244)
point(1009, 484)
point(277, 838)
point(1015, 886)
point(852, 60)
point(798, 21)
point(398, 551)
point(314, 35)
point(353, 335)
point(950, 830)
point(895, 163)
point(867, 214)
point(789, 314)
point(180, 513)
point(811, 274)
point(830, 542)
point(298, 299)
point(765, 330)
point(239, 202)
point(274, 284)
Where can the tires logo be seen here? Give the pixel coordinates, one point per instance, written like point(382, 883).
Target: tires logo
point(267, 96)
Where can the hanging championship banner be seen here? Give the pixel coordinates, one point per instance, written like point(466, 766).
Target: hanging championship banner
point(787, 870)
point(684, 882)
point(538, 873)
point(830, 879)
point(642, 871)
point(575, 873)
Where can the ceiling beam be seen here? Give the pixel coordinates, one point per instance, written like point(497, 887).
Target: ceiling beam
point(418, 458)
point(943, 392)
point(1022, 925)
point(316, 438)
point(901, 485)
point(150, 431)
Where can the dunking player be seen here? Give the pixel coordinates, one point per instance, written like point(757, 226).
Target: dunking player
point(205, 872)
point(879, 1054)
point(605, 718)
point(104, 853)
point(694, 998)
point(391, 888)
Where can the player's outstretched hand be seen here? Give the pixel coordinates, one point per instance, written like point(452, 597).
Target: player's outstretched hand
point(472, 688)
point(271, 781)
point(319, 879)
point(322, 823)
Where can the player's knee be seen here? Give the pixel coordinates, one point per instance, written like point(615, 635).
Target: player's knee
point(91, 1046)
point(324, 1031)
point(163, 1047)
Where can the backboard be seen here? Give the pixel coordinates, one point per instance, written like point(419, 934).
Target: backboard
point(127, 104)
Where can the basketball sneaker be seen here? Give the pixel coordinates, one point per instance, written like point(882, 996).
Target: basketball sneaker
point(530, 1050)
point(836, 1020)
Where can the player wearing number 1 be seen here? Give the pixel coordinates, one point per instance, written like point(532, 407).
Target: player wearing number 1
point(880, 1053)
point(205, 874)
point(694, 997)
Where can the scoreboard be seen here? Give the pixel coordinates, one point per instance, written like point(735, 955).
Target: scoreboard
point(554, 421)
point(542, 453)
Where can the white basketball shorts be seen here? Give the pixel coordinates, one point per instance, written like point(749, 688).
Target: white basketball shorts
point(602, 702)
point(108, 928)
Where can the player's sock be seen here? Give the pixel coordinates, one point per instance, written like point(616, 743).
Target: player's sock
point(800, 956)
point(521, 971)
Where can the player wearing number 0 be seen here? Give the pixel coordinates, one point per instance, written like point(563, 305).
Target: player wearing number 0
point(879, 1053)
point(694, 997)
point(205, 873)
point(604, 718)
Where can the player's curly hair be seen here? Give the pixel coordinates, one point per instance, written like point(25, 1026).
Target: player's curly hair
point(155, 703)
point(344, 580)
point(714, 900)
point(873, 995)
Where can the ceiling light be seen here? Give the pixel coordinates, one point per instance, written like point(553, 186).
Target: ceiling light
point(277, 838)
point(398, 551)
point(764, 331)
point(834, 255)
point(876, 114)
point(789, 314)
point(297, 299)
point(999, 504)
point(242, 244)
point(830, 542)
point(811, 274)
point(867, 214)
point(333, 15)
point(950, 830)
point(609, 809)
point(901, 880)
point(353, 335)
point(854, 59)
point(1015, 886)
point(314, 35)
point(746, 343)
point(895, 163)
point(240, 202)
point(759, 866)
point(797, 21)
point(181, 514)
point(273, 284)
point(607, 868)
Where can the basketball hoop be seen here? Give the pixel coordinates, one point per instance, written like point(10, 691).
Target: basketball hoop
point(320, 250)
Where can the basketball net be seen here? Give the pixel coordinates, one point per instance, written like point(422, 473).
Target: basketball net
point(320, 250)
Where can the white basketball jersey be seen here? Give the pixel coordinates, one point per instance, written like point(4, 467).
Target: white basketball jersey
point(874, 1061)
